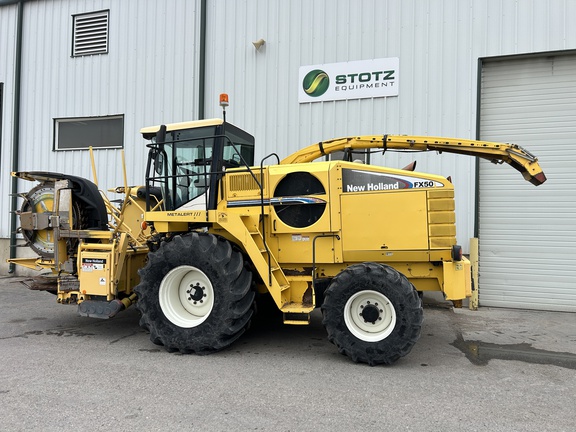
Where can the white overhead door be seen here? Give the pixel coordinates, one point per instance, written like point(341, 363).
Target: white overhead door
point(527, 234)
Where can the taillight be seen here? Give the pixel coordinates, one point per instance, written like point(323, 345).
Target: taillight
point(457, 253)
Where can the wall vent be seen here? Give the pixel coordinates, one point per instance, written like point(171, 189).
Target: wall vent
point(90, 34)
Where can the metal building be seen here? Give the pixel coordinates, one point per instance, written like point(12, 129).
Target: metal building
point(500, 70)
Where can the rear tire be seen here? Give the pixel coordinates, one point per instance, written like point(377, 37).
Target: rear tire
point(195, 294)
point(372, 313)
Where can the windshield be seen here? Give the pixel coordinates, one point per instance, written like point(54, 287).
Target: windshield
point(182, 166)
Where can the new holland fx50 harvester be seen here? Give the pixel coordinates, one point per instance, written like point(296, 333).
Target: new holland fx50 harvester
point(209, 232)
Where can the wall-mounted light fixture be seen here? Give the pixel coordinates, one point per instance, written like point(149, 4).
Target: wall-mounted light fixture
point(257, 44)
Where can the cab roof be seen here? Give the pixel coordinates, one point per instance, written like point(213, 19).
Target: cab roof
point(153, 130)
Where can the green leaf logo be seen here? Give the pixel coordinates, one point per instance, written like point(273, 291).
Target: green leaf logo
point(315, 83)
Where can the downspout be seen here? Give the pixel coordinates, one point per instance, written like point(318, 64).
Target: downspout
point(477, 174)
point(474, 242)
point(202, 61)
point(16, 132)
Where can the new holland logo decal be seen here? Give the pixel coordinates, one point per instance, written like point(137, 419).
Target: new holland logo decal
point(368, 181)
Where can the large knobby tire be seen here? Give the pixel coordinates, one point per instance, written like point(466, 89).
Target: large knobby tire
point(372, 313)
point(195, 294)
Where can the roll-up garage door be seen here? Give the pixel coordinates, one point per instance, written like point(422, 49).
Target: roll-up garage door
point(527, 234)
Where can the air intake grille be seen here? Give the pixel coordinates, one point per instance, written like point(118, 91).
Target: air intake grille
point(243, 183)
point(90, 34)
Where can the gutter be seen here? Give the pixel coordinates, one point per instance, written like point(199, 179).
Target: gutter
point(477, 174)
point(202, 61)
point(16, 127)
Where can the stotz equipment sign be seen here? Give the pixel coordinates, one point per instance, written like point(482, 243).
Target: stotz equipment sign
point(369, 181)
point(349, 80)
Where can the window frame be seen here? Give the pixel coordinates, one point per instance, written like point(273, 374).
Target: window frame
point(57, 121)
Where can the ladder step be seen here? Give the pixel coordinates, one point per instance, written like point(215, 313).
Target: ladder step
point(297, 318)
point(293, 322)
point(275, 273)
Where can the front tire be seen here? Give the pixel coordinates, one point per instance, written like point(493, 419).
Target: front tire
point(372, 313)
point(195, 294)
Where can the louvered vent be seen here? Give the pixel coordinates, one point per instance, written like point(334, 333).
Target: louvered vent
point(243, 183)
point(90, 34)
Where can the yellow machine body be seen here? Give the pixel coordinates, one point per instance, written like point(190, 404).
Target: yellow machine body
point(368, 213)
point(298, 222)
point(359, 240)
point(301, 222)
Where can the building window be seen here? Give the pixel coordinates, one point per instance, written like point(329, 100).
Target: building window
point(81, 133)
point(90, 34)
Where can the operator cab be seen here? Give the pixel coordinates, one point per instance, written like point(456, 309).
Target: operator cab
point(187, 160)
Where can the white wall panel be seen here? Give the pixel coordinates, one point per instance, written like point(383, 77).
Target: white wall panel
point(150, 74)
point(438, 43)
point(8, 16)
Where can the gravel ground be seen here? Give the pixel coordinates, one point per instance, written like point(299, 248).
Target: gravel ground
point(489, 370)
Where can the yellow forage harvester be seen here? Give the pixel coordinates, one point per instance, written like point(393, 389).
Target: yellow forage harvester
point(210, 235)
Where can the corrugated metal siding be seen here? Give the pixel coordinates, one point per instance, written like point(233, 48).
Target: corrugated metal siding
point(438, 43)
point(8, 16)
point(527, 234)
point(149, 75)
point(150, 72)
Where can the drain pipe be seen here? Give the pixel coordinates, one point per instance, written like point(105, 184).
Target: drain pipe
point(202, 61)
point(16, 130)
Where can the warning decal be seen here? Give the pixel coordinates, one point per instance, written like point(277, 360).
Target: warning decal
point(93, 264)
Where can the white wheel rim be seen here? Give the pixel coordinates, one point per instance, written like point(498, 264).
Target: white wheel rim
point(370, 316)
point(186, 296)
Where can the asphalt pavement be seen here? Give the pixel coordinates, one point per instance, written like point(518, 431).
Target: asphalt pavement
point(487, 370)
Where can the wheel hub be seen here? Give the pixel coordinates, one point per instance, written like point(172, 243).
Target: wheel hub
point(196, 293)
point(371, 313)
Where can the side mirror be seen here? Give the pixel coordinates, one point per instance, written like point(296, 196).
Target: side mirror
point(158, 163)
